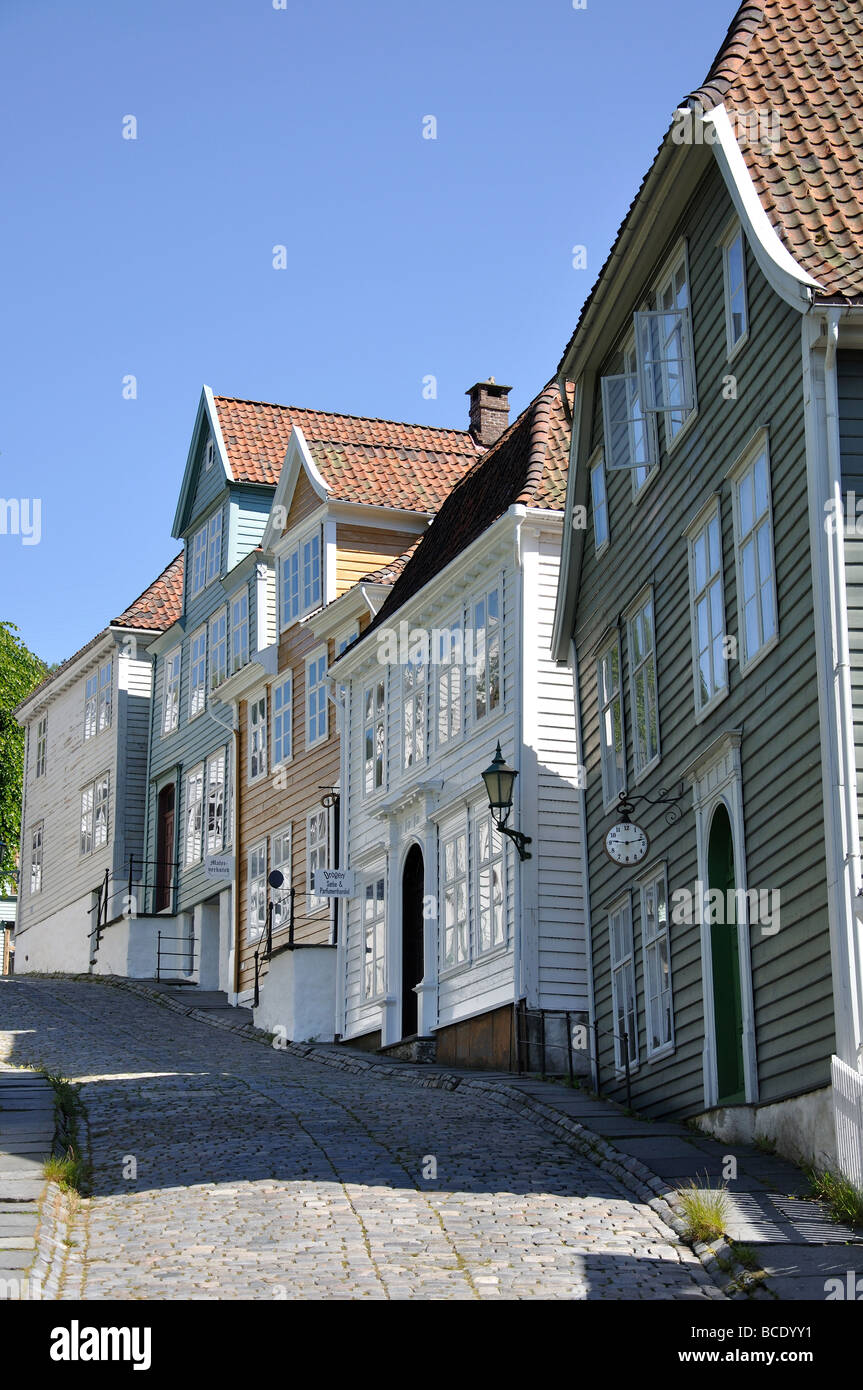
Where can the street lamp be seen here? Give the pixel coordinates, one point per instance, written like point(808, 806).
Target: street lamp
point(499, 780)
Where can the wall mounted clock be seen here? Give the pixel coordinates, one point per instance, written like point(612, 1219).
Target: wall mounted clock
point(626, 843)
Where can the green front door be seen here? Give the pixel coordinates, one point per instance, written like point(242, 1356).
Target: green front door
point(725, 955)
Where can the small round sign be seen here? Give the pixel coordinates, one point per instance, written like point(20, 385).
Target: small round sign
point(275, 878)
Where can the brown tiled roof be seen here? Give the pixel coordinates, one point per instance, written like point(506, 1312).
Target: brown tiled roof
point(160, 605)
point(376, 462)
point(527, 465)
point(800, 63)
point(388, 574)
point(803, 61)
point(154, 610)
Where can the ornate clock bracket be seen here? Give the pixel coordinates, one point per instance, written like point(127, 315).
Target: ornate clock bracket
point(626, 804)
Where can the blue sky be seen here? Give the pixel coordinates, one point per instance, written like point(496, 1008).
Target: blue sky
point(301, 127)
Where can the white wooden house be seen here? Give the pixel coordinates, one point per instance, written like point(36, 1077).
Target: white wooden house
point(85, 777)
point(447, 931)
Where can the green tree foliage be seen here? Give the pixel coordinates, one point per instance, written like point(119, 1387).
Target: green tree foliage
point(20, 672)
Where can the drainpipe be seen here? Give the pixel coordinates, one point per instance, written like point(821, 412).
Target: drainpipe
point(850, 1018)
point(519, 514)
point(236, 884)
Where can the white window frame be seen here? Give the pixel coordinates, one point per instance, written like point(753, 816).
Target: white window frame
point(744, 465)
point(623, 975)
point(317, 845)
point(172, 673)
point(209, 453)
point(193, 813)
point(664, 283)
point(299, 592)
point(214, 546)
point(608, 754)
point(484, 873)
point(37, 843)
point(91, 703)
point(734, 232)
point(414, 738)
point(256, 891)
point(449, 682)
point(373, 938)
point(41, 746)
point(198, 672)
point(652, 940)
point(206, 548)
point(106, 691)
point(636, 418)
point(215, 790)
point(281, 857)
point(488, 635)
point(95, 795)
point(257, 707)
point(240, 600)
point(283, 719)
point(316, 702)
point(218, 642)
point(641, 474)
point(641, 762)
point(599, 504)
point(455, 944)
point(375, 723)
point(698, 532)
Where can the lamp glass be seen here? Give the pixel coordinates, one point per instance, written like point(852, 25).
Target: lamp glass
point(499, 779)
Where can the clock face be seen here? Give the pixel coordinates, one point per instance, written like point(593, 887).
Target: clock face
point(626, 843)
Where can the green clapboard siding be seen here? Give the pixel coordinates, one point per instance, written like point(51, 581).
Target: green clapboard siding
point(775, 703)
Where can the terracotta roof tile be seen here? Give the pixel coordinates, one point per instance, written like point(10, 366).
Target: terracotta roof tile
point(377, 462)
point(527, 466)
point(158, 606)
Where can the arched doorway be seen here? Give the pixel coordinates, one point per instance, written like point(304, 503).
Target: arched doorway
point(725, 960)
point(413, 957)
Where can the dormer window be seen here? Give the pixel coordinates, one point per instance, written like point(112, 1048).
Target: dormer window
point(209, 453)
point(206, 546)
point(300, 579)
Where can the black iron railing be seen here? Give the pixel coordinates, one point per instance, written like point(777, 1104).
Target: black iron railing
point(175, 948)
point(547, 1041)
point(147, 888)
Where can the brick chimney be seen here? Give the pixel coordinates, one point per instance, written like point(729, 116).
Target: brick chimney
point(489, 411)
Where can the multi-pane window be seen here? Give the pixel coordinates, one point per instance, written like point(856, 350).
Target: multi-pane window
point(374, 914)
point(257, 891)
point(317, 854)
point(301, 583)
point(448, 658)
point(91, 699)
point(708, 610)
point(207, 553)
point(623, 983)
point(414, 675)
point(610, 698)
point(240, 630)
point(642, 685)
point(629, 433)
point(282, 720)
point(94, 815)
point(753, 537)
point(218, 648)
point(214, 546)
point(373, 737)
point(198, 674)
point(105, 688)
point(36, 839)
point(171, 705)
point(280, 858)
point(486, 621)
point(41, 746)
point(257, 737)
point(216, 803)
point(194, 814)
point(734, 277)
point(316, 698)
point(456, 922)
point(657, 962)
point(490, 914)
point(600, 505)
point(666, 362)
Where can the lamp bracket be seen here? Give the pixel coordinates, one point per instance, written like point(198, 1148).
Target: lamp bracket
point(626, 803)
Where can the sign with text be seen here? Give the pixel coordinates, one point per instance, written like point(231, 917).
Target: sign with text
point(334, 883)
point(219, 867)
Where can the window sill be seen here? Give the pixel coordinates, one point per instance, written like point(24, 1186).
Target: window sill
point(759, 656)
point(715, 700)
point(661, 1053)
point(647, 769)
point(645, 486)
point(600, 550)
point(734, 350)
point(671, 444)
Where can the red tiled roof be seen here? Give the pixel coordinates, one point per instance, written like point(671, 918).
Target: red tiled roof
point(800, 64)
point(527, 466)
point(376, 462)
point(158, 606)
point(803, 61)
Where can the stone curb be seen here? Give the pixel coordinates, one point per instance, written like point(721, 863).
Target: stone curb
point(734, 1283)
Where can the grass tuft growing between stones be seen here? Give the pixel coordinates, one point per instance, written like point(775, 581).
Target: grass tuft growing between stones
point(844, 1200)
point(705, 1210)
point(70, 1170)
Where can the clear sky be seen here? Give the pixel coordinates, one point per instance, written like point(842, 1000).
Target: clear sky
point(299, 127)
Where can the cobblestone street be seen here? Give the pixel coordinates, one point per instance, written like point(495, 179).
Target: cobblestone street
point(262, 1175)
